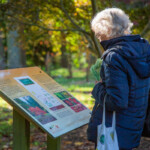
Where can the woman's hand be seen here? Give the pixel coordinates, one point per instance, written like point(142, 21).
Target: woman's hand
point(98, 81)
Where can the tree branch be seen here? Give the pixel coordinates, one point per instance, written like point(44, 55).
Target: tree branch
point(94, 7)
point(66, 13)
point(146, 29)
point(94, 44)
point(95, 40)
point(42, 27)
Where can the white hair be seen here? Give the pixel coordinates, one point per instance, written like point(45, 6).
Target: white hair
point(111, 23)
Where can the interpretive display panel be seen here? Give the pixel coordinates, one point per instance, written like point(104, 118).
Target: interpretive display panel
point(42, 100)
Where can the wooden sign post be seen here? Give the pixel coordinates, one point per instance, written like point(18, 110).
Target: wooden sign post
point(21, 132)
point(37, 98)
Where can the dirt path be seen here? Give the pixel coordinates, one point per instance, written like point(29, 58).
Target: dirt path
point(74, 140)
point(77, 140)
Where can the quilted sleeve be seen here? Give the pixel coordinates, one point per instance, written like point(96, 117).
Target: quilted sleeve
point(115, 86)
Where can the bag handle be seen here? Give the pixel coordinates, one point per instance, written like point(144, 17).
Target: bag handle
point(104, 115)
point(114, 121)
point(103, 119)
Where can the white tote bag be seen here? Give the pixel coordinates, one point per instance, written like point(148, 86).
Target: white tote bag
point(107, 137)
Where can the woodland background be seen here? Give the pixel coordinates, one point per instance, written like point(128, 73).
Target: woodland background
point(56, 36)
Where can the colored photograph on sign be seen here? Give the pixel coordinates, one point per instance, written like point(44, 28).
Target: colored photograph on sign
point(74, 101)
point(63, 95)
point(57, 107)
point(37, 111)
point(26, 81)
point(78, 108)
point(69, 103)
point(59, 95)
point(75, 105)
point(40, 93)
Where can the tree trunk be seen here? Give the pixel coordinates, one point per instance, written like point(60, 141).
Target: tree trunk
point(16, 56)
point(48, 63)
point(70, 64)
point(88, 66)
point(94, 7)
point(23, 57)
point(97, 44)
point(2, 53)
point(64, 60)
point(95, 40)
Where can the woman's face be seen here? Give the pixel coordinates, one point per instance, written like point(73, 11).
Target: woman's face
point(103, 38)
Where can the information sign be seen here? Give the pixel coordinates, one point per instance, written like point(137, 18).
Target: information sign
point(43, 101)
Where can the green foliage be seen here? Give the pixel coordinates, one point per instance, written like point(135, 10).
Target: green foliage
point(3, 1)
point(95, 69)
point(5, 129)
point(5, 119)
point(46, 26)
point(59, 73)
point(138, 11)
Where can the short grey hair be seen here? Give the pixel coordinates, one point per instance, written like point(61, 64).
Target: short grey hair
point(111, 23)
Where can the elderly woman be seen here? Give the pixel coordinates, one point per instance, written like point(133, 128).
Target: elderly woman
point(125, 75)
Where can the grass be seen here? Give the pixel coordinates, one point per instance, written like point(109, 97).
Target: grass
point(77, 86)
point(5, 124)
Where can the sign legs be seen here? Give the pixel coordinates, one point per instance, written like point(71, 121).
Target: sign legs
point(21, 132)
point(21, 135)
point(53, 144)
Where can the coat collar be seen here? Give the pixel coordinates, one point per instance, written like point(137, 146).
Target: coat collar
point(110, 43)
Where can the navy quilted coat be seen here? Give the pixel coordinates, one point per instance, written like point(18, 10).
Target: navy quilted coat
point(125, 76)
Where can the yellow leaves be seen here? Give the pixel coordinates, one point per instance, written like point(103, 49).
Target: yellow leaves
point(67, 142)
point(78, 143)
point(82, 42)
point(135, 31)
point(50, 32)
point(43, 53)
point(46, 43)
point(41, 42)
point(75, 14)
point(34, 28)
point(82, 3)
point(82, 8)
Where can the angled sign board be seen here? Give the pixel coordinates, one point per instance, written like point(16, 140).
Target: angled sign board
point(42, 101)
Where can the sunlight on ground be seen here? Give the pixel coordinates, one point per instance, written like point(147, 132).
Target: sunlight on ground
point(4, 104)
